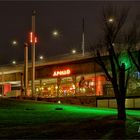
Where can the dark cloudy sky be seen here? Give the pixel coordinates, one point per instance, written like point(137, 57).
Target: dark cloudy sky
point(64, 16)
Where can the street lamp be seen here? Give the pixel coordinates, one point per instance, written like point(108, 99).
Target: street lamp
point(55, 33)
point(13, 43)
point(111, 20)
point(33, 41)
point(73, 51)
point(14, 62)
point(41, 57)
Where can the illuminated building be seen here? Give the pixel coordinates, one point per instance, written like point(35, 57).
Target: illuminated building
point(70, 76)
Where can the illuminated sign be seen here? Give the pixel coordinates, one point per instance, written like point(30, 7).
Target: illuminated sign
point(33, 38)
point(61, 72)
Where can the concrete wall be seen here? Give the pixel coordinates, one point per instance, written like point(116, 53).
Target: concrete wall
point(111, 103)
point(137, 102)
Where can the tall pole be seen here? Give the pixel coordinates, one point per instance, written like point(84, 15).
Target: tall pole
point(2, 83)
point(83, 37)
point(21, 80)
point(33, 53)
point(26, 67)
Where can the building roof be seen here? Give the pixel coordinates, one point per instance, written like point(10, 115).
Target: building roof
point(14, 68)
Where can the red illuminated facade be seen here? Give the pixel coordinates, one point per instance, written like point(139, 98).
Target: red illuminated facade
point(83, 77)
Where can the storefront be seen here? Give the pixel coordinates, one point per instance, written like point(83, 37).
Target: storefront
point(74, 78)
point(82, 85)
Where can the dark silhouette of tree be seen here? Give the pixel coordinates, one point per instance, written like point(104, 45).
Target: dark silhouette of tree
point(113, 22)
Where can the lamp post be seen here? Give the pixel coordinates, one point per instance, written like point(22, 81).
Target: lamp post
point(14, 62)
point(73, 51)
point(41, 57)
point(83, 37)
point(55, 33)
point(26, 67)
point(111, 20)
point(33, 41)
point(14, 43)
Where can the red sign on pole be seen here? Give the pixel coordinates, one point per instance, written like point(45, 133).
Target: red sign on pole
point(33, 38)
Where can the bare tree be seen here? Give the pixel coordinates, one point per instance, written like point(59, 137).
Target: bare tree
point(113, 22)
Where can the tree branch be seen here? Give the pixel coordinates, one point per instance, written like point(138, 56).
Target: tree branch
point(133, 59)
point(103, 66)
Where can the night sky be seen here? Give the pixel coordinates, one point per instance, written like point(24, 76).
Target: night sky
point(64, 16)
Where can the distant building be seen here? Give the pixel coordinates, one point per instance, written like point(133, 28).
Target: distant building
point(65, 77)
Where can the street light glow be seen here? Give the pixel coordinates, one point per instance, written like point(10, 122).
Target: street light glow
point(73, 51)
point(55, 33)
point(14, 43)
point(110, 20)
point(13, 62)
point(41, 57)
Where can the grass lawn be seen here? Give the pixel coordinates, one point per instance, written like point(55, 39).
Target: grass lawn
point(30, 120)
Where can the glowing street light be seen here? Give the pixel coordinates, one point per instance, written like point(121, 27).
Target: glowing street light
point(14, 43)
point(110, 20)
point(14, 62)
point(73, 51)
point(41, 57)
point(33, 41)
point(55, 33)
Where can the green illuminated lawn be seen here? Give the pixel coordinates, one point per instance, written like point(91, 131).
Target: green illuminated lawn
point(29, 119)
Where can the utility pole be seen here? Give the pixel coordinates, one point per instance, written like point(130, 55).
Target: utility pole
point(2, 82)
point(26, 67)
point(33, 52)
point(83, 37)
point(21, 88)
